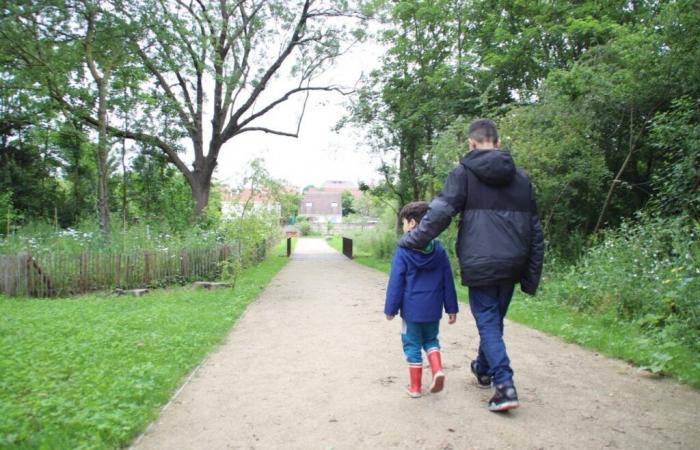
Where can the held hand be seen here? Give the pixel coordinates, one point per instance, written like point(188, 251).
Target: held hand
point(388, 317)
point(451, 318)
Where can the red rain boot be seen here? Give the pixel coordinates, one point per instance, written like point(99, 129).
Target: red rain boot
point(415, 372)
point(436, 367)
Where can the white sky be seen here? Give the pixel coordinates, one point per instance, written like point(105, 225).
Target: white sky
point(319, 154)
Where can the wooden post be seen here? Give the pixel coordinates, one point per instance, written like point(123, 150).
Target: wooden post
point(30, 279)
point(146, 268)
point(83, 275)
point(289, 247)
point(347, 247)
point(183, 264)
point(118, 270)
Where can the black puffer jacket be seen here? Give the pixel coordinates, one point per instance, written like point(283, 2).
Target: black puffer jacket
point(500, 237)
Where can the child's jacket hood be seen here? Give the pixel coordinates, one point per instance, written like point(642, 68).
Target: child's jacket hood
point(427, 258)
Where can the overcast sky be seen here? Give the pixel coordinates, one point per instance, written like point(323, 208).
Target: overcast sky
point(319, 154)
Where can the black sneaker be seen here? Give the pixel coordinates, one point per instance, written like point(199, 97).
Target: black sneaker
point(504, 399)
point(482, 380)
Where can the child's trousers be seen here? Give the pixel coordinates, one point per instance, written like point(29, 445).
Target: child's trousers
point(417, 335)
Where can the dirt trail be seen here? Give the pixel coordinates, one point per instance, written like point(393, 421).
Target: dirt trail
point(313, 364)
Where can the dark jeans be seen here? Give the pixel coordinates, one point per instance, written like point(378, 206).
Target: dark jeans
point(489, 305)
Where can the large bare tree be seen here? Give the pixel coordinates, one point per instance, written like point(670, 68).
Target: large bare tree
point(217, 60)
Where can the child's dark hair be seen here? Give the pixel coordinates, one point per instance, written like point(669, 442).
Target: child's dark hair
point(414, 210)
point(484, 130)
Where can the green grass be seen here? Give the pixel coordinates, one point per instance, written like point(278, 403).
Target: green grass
point(361, 256)
point(92, 372)
point(605, 334)
point(610, 336)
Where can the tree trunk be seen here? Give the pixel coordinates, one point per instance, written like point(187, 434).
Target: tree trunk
point(616, 180)
point(200, 183)
point(102, 159)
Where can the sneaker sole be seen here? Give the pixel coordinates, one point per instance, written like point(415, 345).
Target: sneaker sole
point(438, 383)
point(506, 406)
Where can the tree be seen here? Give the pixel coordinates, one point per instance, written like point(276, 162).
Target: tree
point(677, 134)
point(347, 202)
point(57, 45)
point(517, 44)
point(423, 85)
point(220, 55)
point(198, 55)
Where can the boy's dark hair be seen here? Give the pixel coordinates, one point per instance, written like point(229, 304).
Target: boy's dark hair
point(483, 130)
point(414, 210)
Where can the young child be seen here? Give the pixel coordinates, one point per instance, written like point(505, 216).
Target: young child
point(420, 285)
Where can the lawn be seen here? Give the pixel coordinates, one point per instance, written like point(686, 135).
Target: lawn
point(361, 256)
point(92, 372)
point(604, 334)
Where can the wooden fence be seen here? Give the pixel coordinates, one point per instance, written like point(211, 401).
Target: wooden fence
point(57, 275)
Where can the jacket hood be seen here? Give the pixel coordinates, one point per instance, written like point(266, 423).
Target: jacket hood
point(493, 167)
point(427, 258)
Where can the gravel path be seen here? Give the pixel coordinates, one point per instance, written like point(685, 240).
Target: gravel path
point(313, 364)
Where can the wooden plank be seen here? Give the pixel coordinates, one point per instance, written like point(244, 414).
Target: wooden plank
point(210, 285)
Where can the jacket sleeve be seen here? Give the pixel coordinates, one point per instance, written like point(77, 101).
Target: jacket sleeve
point(396, 287)
point(448, 203)
point(530, 279)
point(450, 301)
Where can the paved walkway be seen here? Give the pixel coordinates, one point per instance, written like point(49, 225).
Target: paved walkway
point(313, 364)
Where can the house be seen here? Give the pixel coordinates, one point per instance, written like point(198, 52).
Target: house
point(321, 206)
point(339, 186)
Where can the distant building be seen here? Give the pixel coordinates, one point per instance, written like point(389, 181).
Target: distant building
point(339, 186)
point(233, 203)
point(321, 206)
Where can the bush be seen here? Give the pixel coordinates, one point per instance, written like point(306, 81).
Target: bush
point(304, 228)
point(646, 272)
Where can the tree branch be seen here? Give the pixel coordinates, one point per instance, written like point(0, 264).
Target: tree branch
point(298, 32)
point(186, 122)
point(286, 97)
point(268, 130)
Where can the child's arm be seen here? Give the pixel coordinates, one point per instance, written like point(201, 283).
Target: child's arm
point(396, 286)
point(450, 300)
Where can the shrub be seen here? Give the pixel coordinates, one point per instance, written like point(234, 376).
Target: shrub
point(646, 272)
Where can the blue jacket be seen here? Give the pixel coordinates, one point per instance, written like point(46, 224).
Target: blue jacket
point(420, 284)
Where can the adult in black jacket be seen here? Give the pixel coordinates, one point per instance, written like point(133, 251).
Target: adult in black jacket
point(500, 243)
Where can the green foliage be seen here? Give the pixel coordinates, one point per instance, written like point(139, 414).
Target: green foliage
point(348, 201)
point(8, 214)
point(422, 86)
point(677, 134)
point(304, 226)
point(231, 270)
point(557, 146)
point(93, 372)
point(157, 193)
point(646, 273)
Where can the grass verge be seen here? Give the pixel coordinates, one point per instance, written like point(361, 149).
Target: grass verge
point(92, 372)
point(604, 334)
point(361, 256)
